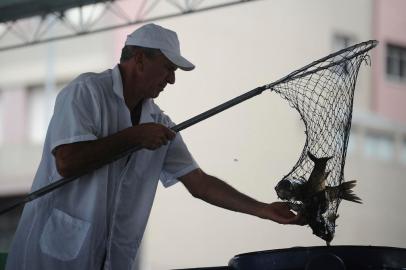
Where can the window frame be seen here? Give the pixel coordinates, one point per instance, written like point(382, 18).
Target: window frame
point(395, 62)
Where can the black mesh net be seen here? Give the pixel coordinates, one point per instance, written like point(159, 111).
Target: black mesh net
point(322, 93)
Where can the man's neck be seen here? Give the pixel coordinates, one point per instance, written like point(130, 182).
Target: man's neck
point(130, 97)
point(130, 94)
point(136, 114)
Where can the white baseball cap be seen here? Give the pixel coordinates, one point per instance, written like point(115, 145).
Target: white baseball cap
point(157, 37)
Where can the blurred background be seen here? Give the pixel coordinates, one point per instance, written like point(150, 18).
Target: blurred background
point(236, 46)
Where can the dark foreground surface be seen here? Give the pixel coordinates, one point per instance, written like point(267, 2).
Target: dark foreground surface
point(319, 258)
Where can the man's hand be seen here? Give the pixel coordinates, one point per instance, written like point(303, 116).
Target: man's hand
point(219, 193)
point(280, 212)
point(151, 135)
point(77, 158)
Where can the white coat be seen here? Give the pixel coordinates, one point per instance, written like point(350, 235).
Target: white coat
point(97, 221)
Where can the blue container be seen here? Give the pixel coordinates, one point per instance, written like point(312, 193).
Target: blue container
point(321, 258)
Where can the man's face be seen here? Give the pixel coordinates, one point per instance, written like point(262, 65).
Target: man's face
point(156, 73)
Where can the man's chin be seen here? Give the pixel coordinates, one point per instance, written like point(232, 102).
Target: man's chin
point(158, 93)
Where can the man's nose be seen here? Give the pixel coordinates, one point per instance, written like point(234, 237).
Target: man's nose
point(171, 77)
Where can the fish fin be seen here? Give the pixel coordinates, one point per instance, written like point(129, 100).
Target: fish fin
point(315, 159)
point(347, 193)
point(311, 156)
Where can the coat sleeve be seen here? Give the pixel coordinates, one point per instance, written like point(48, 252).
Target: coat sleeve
point(76, 116)
point(178, 160)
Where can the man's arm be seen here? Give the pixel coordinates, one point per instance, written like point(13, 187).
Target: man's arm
point(219, 193)
point(77, 158)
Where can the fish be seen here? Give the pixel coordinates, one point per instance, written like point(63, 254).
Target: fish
point(318, 214)
point(298, 189)
point(291, 189)
point(312, 197)
point(318, 176)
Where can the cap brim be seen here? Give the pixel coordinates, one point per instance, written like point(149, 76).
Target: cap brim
point(179, 61)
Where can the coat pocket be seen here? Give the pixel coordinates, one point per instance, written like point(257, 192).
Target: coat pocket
point(63, 235)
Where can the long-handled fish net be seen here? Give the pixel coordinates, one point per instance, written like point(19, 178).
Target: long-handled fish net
point(323, 95)
point(322, 92)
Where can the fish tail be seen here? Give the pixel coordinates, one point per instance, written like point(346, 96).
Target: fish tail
point(315, 159)
point(347, 193)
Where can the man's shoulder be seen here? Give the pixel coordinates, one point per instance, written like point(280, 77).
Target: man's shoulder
point(91, 78)
point(88, 82)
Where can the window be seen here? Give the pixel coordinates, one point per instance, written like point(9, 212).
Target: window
point(340, 42)
point(379, 146)
point(352, 142)
point(403, 152)
point(84, 16)
point(41, 103)
point(396, 62)
point(1, 119)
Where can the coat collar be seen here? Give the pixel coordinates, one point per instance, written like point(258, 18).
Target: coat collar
point(150, 112)
point(117, 82)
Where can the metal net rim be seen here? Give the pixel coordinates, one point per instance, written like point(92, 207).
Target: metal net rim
point(306, 70)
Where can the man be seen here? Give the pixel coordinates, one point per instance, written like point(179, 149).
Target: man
point(97, 222)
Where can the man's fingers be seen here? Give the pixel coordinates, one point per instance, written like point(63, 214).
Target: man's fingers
point(170, 134)
point(164, 141)
point(156, 135)
point(300, 219)
point(284, 205)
